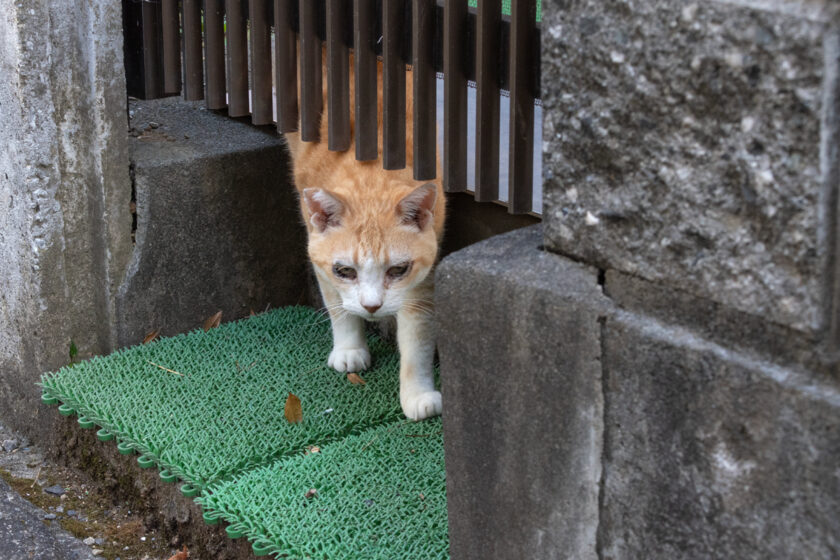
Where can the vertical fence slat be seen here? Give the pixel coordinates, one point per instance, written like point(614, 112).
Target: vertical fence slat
point(193, 59)
point(521, 158)
point(153, 72)
point(311, 100)
point(171, 25)
point(425, 98)
point(487, 101)
point(364, 62)
point(393, 89)
point(454, 96)
point(285, 56)
point(338, 77)
point(237, 59)
point(214, 53)
point(143, 71)
point(261, 102)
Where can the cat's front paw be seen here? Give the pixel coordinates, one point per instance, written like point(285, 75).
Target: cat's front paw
point(422, 405)
point(349, 359)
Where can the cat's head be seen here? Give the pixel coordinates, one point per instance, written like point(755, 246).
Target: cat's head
point(373, 247)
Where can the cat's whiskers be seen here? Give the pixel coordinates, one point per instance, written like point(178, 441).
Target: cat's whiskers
point(419, 305)
point(328, 312)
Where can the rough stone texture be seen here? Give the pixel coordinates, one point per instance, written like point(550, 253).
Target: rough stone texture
point(23, 534)
point(519, 343)
point(218, 224)
point(681, 144)
point(710, 453)
point(64, 191)
point(712, 447)
point(721, 324)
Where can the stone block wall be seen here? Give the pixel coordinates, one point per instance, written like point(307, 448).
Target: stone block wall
point(64, 190)
point(217, 225)
point(689, 243)
point(682, 146)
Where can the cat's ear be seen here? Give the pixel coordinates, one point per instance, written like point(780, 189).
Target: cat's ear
point(417, 207)
point(325, 208)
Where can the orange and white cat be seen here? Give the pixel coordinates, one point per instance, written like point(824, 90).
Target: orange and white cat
point(373, 241)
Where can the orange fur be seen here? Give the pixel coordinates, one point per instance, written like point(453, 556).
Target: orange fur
point(371, 192)
point(373, 244)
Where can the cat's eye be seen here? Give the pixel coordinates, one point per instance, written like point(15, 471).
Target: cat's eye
point(398, 271)
point(344, 272)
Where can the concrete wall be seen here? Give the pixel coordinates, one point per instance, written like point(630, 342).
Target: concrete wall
point(681, 298)
point(64, 190)
point(217, 225)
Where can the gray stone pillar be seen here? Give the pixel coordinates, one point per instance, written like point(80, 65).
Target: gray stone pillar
point(691, 167)
point(64, 190)
point(520, 345)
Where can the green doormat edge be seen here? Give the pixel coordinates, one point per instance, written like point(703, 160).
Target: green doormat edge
point(289, 339)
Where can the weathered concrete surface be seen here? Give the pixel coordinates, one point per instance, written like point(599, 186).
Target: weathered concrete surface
point(64, 191)
point(681, 144)
point(712, 448)
point(23, 534)
point(717, 322)
point(218, 224)
point(711, 453)
point(519, 344)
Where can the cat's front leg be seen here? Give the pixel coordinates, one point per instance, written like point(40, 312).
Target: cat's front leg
point(350, 351)
point(416, 340)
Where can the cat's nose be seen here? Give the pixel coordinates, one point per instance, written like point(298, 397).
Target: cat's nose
point(372, 308)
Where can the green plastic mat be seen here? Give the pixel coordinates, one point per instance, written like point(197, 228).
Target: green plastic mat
point(208, 408)
point(379, 494)
point(506, 7)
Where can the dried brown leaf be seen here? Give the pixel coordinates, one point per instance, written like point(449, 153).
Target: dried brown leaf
point(311, 493)
point(312, 449)
point(183, 554)
point(150, 336)
point(293, 410)
point(355, 379)
point(213, 322)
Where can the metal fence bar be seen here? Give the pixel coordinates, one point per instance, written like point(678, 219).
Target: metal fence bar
point(454, 96)
point(193, 57)
point(393, 89)
point(285, 75)
point(425, 102)
point(260, 33)
point(214, 53)
point(171, 29)
point(505, 53)
point(364, 63)
point(311, 102)
point(522, 94)
point(237, 58)
point(488, 27)
point(143, 72)
point(338, 77)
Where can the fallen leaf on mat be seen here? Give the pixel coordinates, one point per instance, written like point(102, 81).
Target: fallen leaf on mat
point(310, 493)
point(150, 336)
point(183, 554)
point(355, 379)
point(213, 322)
point(312, 449)
point(293, 410)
